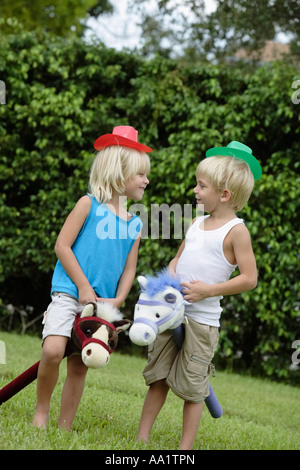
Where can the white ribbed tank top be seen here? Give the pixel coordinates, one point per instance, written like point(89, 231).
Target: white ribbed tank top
point(203, 259)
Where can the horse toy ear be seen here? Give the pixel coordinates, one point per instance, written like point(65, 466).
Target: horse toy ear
point(122, 325)
point(89, 310)
point(142, 282)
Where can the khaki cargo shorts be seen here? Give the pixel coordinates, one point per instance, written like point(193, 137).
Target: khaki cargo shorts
point(185, 370)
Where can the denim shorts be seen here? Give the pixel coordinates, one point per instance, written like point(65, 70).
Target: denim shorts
point(186, 370)
point(60, 315)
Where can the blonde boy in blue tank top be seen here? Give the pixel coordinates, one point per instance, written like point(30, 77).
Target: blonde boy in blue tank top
point(97, 253)
point(214, 246)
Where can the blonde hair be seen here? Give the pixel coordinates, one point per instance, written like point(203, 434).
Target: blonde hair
point(112, 167)
point(228, 173)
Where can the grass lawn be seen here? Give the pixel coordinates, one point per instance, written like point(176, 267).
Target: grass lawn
point(258, 414)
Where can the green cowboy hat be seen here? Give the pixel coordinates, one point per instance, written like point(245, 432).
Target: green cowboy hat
point(241, 151)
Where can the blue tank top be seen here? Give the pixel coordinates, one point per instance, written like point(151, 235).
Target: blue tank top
point(101, 248)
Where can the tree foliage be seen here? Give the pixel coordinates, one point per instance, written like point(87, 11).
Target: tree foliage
point(64, 18)
point(61, 95)
point(187, 29)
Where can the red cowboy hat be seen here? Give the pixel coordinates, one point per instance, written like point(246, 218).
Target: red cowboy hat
point(121, 135)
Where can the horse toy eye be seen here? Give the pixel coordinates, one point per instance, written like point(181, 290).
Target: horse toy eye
point(157, 315)
point(170, 298)
point(88, 331)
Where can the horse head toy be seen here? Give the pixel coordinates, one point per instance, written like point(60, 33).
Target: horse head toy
point(94, 335)
point(160, 307)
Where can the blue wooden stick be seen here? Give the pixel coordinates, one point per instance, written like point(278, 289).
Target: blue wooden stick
point(211, 401)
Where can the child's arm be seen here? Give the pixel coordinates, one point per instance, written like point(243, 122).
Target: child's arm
point(240, 241)
point(63, 249)
point(127, 277)
point(174, 261)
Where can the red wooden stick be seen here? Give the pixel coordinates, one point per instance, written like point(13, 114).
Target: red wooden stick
point(19, 383)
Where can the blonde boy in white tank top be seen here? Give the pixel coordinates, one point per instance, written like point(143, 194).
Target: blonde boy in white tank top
point(214, 246)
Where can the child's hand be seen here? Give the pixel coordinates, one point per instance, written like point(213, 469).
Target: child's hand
point(86, 294)
point(195, 290)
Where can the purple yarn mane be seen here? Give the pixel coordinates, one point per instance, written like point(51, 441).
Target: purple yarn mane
point(160, 282)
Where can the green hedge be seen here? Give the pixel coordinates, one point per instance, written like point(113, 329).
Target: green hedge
point(61, 95)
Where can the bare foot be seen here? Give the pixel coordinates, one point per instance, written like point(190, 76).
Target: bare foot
point(40, 420)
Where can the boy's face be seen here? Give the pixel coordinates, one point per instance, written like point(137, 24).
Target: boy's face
point(206, 194)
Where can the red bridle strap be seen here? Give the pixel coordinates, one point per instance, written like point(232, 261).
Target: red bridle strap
point(86, 340)
point(95, 340)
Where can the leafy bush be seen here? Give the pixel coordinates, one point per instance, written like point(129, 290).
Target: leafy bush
point(62, 94)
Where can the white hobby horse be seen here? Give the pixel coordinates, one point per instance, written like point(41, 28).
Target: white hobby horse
point(160, 307)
